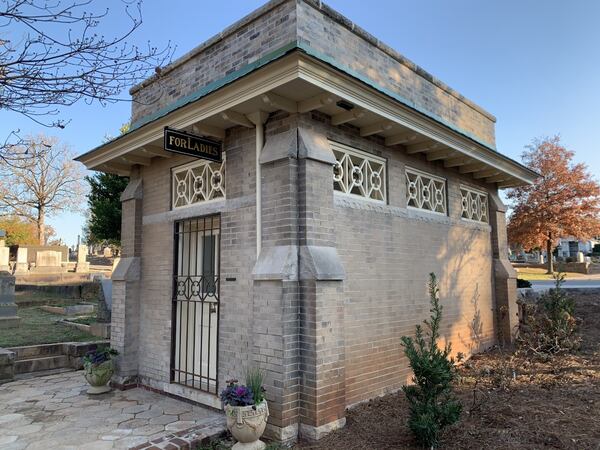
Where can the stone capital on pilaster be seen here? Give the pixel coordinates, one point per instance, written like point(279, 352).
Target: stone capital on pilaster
point(133, 191)
point(315, 146)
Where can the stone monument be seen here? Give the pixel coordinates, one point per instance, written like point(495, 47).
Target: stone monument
point(8, 308)
point(48, 261)
point(82, 265)
point(22, 266)
point(4, 253)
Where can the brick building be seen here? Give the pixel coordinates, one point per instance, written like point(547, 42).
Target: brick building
point(348, 174)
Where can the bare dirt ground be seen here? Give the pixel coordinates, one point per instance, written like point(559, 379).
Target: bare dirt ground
point(509, 402)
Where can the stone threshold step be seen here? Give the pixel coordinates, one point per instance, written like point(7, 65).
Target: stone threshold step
point(43, 363)
point(35, 351)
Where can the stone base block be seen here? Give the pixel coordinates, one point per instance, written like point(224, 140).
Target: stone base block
point(312, 433)
point(100, 329)
point(285, 435)
point(82, 267)
point(21, 268)
point(49, 269)
point(10, 322)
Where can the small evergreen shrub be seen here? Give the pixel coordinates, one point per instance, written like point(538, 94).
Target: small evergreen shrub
point(431, 400)
point(521, 283)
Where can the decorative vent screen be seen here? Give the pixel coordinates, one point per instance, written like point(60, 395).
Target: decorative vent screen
point(425, 191)
point(198, 182)
point(474, 204)
point(359, 174)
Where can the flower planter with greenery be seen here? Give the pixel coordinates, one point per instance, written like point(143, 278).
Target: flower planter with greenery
point(98, 369)
point(247, 411)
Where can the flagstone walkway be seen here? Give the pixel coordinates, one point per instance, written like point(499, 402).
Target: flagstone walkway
point(54, 412)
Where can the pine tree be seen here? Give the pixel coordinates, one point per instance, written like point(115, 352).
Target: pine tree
point(432, 404)
point(104, 201)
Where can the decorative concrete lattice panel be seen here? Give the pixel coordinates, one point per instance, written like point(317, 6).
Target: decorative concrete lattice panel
point(474, 204)
point(198, 182)
point(359, 174)
point(426, 191)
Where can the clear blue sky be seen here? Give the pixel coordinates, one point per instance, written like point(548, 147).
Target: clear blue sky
point(534, 64)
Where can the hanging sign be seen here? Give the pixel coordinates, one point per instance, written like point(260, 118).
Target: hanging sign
point(177, 141)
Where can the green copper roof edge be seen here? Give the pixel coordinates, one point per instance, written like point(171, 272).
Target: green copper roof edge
point(202, 92)
point(276, 54)
point(331, 61)
point(217, 84)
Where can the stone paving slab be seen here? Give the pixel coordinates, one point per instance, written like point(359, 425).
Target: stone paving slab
point(54, 412)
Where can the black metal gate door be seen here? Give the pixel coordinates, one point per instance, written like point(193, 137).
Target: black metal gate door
point(195, 321)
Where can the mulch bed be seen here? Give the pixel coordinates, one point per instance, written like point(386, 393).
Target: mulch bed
point(509, 402)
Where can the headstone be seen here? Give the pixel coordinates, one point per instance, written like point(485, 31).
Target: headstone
point(22, 266)
point(4, 259)
point(8, 308)
point(105, 300)
point(48, 261)
point(108, 252)
point(82, 265)
point(580, 257)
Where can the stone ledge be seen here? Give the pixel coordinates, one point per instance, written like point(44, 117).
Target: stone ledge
point(189, 439)
point(277, 263)
point(320, 263)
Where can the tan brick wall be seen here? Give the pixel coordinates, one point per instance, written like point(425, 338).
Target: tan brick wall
point(388, 252)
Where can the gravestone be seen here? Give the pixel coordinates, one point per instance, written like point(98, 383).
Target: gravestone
point(22, 266)
point(580, 257)
point(105, 301)
point(82, 264)
point(107, 252)
point(48, 261)
point(8, 308)
point(4, 259)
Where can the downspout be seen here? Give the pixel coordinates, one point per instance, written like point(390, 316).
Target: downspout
point(258, 118)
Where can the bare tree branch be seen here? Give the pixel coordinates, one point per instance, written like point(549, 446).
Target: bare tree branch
point(52, 56)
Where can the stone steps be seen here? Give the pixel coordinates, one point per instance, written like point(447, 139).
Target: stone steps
point(38, 364)
point(35, 351)
point(40, 358)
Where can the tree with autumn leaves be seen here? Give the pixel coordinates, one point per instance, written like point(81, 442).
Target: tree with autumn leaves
point(563, 201)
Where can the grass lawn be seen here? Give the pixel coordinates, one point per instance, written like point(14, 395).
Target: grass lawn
point(33, 298)
point(40, 327)
point(531, 274)
point(87, 320)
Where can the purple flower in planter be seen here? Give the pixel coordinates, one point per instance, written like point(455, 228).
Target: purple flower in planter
point(237, 395)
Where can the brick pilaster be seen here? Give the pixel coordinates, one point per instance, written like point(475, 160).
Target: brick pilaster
point(505, 277)
point(125, 325)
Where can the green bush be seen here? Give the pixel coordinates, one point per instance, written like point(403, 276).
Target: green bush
point(431, 400)
point(549, 325)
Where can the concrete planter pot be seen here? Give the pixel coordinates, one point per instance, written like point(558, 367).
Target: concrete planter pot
point(247, 424)
point(98, 376)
